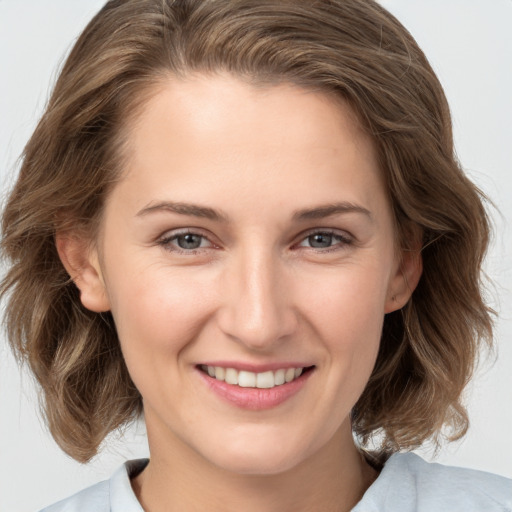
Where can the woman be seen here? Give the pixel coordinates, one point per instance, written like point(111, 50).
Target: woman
point(245, 220)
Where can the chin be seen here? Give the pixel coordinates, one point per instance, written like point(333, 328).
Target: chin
point(255, 464)
point(253, 458)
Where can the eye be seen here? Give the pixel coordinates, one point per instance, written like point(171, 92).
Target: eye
point(187, 241)
point(325, 240)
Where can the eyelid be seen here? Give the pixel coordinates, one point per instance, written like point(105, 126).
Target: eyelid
point(346, 238)
point(166, 239)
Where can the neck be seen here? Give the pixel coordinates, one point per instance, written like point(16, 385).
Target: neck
point(178, 478)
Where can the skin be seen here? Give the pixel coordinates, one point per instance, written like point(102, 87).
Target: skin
point(258, 289)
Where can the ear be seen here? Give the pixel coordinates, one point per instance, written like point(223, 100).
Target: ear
point(82, 264)
point(405, 279)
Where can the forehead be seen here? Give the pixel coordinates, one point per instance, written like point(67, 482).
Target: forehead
point(232, 107)
point(203, 134)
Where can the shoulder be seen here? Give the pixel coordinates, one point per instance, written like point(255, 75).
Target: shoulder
point(409, 484)
point(96, 497)
point(113, 495)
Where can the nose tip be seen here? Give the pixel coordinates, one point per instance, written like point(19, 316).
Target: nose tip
point(257, 307)
point(260, 329)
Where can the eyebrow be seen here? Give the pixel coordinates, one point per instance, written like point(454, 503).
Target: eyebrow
point(205, 212)
point(184, 209)
point(323, 211)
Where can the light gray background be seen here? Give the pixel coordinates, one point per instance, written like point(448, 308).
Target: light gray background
point(469, 43)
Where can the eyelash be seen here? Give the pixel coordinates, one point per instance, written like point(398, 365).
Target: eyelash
point(166, 242)
point(343, 240)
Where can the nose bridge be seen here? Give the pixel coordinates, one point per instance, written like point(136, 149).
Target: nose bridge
point(257, 309)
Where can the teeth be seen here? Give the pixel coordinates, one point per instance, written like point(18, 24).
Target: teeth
point(244, 379)
point(265, 380)
point(231, 375)
point(247, 379)
point(279, 377)
point(289, 375)
point(220, 373)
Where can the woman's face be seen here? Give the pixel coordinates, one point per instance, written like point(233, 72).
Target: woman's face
point(250, 236)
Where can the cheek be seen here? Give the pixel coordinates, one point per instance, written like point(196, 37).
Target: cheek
point(157, 310)
point(349, 306)
point(347, 317)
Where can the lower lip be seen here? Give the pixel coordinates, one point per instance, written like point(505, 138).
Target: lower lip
point(255, 399)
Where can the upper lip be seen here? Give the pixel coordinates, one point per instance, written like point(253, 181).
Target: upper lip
point(256, 368)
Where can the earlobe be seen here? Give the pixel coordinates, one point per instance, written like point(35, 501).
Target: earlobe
point(82, 264)
point(405, 280)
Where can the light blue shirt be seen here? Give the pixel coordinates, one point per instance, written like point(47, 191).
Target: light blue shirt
point(406, 484)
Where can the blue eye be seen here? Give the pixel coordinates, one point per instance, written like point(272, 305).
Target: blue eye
point(325, 240)
point(320, 240)
point(184, 242)
point(189, 241)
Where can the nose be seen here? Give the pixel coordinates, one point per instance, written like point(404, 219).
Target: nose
point(257, 304)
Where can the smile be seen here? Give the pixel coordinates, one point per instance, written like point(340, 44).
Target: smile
point(246, 379)
point(254, 390)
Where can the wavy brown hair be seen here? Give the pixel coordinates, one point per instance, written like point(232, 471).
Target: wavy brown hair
point(354, 49)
